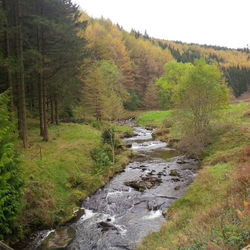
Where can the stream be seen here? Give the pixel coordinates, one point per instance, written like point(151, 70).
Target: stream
point(119, 215)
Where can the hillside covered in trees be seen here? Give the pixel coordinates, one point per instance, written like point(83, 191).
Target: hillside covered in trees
point(64, 60)
point(235, 63)
point(58, 66)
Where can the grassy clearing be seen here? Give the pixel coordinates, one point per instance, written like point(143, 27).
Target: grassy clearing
point(214, 213)
point(61, 172)
point(152, 118)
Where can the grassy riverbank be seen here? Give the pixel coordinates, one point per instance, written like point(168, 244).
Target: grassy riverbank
point(214, 213)
point(61, 172)
point(152, 118)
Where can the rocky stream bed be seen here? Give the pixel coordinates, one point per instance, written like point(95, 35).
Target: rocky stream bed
point(131, 205)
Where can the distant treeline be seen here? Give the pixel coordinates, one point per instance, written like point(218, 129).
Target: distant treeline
point(234, 63)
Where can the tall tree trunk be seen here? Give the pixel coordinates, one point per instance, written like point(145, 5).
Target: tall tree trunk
point(40, 103)
point(20, 78)
point(7, 53)
point(45, 113)
point(52, 109)
point(42, 92)
point(56, 111)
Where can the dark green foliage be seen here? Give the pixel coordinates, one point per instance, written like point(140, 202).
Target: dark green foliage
point(108, 136)
point(238, 79)
point(136, 34)
point(59, 53)
point(10, 177)
point(102, 157)
point(231, 234)
point(133, 102)
point(189, 56)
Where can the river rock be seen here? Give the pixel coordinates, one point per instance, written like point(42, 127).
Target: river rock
point(152, 172)
point(143, 184)
point(153, 205)
point(161, 173)
point(76, 216)
point(105, 226)
point(173, 172)
point(129, 145)
point(181, 161)
point(60, 239)
point(175, 179)
point(177, 188)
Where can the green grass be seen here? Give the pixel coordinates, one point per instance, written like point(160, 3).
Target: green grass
point(123, 130)
point(214, 212)
point(60, 172)
point(152, 118)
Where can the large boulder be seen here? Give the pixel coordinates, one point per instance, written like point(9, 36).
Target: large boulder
point(143, 184)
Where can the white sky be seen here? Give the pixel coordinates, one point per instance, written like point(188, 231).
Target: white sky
point(213, 22)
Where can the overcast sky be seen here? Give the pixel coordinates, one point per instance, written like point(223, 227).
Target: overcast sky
point(213, 22)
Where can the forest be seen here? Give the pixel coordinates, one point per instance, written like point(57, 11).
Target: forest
point(55, 50)
point(67, 79)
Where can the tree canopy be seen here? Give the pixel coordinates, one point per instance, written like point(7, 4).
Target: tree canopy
point(196, 91)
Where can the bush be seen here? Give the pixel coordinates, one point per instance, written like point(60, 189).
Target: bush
point(109, 137)
point(96, 124)
point(11, 180)
point(102, 157)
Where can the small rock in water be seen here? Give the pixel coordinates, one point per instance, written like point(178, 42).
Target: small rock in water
point(177, 188)
point(151, 172)
point(76, 216)
point(173, 172)
point(105, 226)
point(160, 174)
point(175, 179)
point(129, 145)
point(181, 161)
point(153, 205)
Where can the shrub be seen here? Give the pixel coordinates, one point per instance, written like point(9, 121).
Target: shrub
point(102, 157)
point(109, 137)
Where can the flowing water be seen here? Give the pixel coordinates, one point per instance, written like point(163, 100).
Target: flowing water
point(130, 206)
